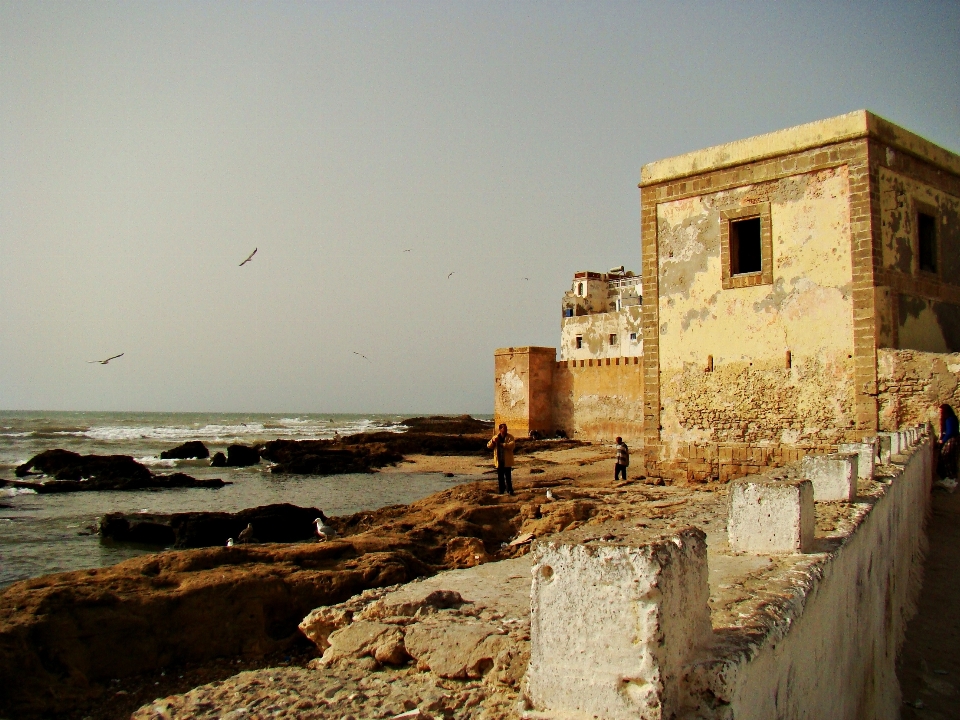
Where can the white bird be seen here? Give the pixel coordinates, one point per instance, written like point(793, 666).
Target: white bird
point(229, 542)
point(551, 496)
point(104, 362)
point(249, 257)
point(361, 355)
point(324, 530)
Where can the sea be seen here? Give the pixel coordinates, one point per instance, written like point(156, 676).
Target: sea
point(41, 534)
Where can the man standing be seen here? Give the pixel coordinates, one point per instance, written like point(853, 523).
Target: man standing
point(502, 444)
point(623, 460)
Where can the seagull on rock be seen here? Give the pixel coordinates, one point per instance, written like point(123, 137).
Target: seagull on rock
point(325, 531)
point(551, 496)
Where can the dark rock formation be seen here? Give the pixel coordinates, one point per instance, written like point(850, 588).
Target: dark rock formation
point(66, 465)
point(242, 456)
point(459, 425)
point(154, 482)
point(72, 472)
point(218, 460)
point(282, 523)
point(189, 450)
point(327, 457)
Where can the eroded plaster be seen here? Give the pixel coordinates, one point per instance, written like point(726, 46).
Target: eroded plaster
point(751, 395)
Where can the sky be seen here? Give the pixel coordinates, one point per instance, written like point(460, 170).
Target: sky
point(367, 150)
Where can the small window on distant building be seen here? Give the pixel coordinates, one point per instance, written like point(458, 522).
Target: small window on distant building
point(927, 242)
point(633, 337)
point(745, 246)
point(580, 289)
point(613, 338)
point(579, 341)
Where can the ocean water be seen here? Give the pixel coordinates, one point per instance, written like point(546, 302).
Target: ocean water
point(41, 534)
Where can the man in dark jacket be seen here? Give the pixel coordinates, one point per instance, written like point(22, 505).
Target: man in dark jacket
point(502, 444)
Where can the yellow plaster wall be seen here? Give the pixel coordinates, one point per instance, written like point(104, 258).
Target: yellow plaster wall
point(751, 396)
point(598, 402)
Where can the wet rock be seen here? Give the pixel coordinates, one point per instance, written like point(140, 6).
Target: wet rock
point(218, 460)
point(459, 425)
point(242, 455)
point(72, 472)
point(67, 465)
point(326, 457)
point(279, 523)
point(189, 450)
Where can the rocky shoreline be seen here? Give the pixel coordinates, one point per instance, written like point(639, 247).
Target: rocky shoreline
point(67, 640)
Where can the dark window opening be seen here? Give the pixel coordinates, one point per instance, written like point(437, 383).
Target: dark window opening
point(579, 341)
point(613, 339)
point(745, 246)
point(927, 236)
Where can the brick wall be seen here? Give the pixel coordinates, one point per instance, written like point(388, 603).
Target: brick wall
point(913, 384)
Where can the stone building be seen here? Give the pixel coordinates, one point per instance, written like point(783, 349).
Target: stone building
point(601, 316)
point(801, 289)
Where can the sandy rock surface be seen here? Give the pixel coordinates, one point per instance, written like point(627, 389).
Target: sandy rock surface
point(454, 645)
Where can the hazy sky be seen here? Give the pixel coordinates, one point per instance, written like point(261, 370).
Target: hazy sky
point(147, 148)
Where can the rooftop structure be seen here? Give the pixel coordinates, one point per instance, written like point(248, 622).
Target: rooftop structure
point(601, 316)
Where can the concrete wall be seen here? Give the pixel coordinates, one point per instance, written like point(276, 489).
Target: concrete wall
point(914, 384)
point(595, 331)
point(823, 644)
point(751, 394)
point(598, 400)
point(834, 655)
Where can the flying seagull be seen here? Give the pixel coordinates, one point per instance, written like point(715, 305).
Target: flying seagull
point(249, 257)
point(408, 250)
point(104, 362)
point(361, 355)
point(450, 275)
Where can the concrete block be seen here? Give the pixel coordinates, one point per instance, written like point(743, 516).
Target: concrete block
point(866, 453)
point(615, 625)
point(884, 447)
point(834, 476)
point(893, 440)
point(771, 516)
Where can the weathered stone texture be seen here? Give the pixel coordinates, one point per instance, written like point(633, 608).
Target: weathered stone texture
point(751, 395)
point(614, 627)
point(771, 516)
point(913, 384)
point(523, 378)
point(600, 399)
point(834, 476)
